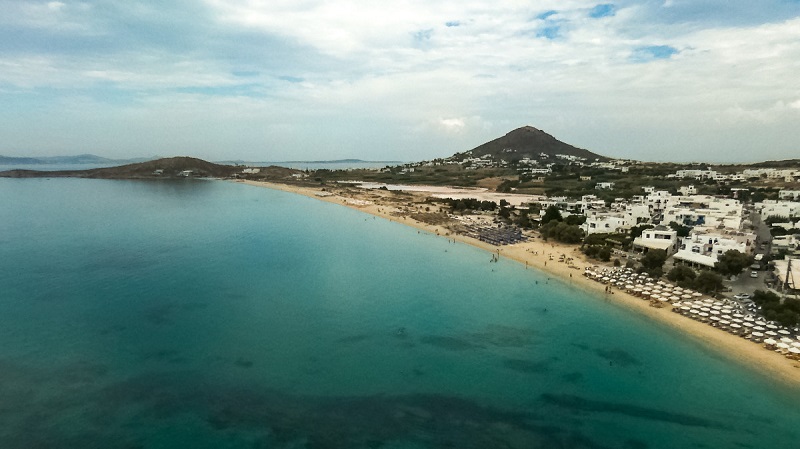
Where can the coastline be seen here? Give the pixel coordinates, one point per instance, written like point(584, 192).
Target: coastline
point(535, 254)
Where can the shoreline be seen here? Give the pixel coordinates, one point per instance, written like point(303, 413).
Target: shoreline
point(535, 254)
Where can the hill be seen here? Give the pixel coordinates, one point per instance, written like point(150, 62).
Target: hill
point(532, 143)
point(164, 168)
point(67, 160)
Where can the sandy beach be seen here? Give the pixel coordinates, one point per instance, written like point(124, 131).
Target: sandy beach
point(535, 254)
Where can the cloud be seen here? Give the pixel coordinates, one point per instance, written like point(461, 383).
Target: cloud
point(452, 124)
point(419, 70)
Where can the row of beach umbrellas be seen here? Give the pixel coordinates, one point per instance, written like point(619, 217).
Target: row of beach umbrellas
point(722, 314)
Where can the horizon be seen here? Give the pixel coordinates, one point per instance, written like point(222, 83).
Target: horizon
point(649, 80)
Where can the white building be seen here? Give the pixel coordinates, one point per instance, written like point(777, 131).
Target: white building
point(687, 190)
point(604, 186)
point(704, 248)
point(778, 208)
point(604, 223)
point(657, 238)
point(793, 195)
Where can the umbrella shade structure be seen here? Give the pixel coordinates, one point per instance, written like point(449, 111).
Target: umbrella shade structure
point(757, 334)
point(697, 294)
point(771, 333)
point(788, 341)
point(784, 332)
point(795, 351)
point(770, 341)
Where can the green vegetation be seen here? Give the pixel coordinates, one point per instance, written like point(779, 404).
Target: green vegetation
point(707, 282)
point(786, 312)
point(653, 261)
point(682, 275)
point(468, 205)
point(732, 263)
point(561, 232)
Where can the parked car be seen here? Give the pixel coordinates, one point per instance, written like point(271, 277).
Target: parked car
point(742, 296)
point(754, 274)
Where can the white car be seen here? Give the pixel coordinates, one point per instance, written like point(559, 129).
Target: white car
point(741, 296)
point(754, 274)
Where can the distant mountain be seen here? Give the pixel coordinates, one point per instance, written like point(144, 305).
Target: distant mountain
point(65, 160)
point(529, 142)
point(173, 167)
point(162, 168)
point(335, 161)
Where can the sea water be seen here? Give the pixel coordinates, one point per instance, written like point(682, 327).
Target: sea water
point(211, 314)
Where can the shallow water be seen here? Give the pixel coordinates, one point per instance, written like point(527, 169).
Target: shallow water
point(212, 314)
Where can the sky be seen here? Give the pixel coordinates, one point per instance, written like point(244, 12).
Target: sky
point(407, 80)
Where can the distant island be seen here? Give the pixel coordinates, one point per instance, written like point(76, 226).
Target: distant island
point(68, 160)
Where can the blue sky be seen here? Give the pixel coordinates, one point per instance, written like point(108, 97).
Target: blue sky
point(683, 80)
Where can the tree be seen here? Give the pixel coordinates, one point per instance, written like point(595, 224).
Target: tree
point(681, 273)
point(636, 231)
point(604, 254)
point(654, 259)
point(731, 263)
point(575, 220)
point(682, 230)
point(708, 282)
point(552, 213)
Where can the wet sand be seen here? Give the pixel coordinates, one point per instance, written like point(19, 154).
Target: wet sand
point(535, 254)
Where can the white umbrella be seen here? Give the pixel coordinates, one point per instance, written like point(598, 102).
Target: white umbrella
point(770, 341)
point(794, 350)
point(771, 333)
point(685, 296)
point(784, 332)
point(788, 341)
point(697, 294)
point(663, 299)
point(757, 334)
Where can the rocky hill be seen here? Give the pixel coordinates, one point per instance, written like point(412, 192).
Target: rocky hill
point(532, 143)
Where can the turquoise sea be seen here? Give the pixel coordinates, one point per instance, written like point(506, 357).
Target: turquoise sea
point(210, 314)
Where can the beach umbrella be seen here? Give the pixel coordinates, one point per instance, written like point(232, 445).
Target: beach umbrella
point(769, 341)
point(736, 326)
point(697, 294)
point(771, 333)
point(784, 332)
point(771, 326)
point(685, 296)
point(758, 328)
point(694, 311)
point(714, 312)
point(630, 287)
point(747, 324)
point(724, 322)
point(761, 323)
point(794, 350)
point(783, 345)
point(788, 341)
point(663, 299)
point(703, 314)
point(714, 318)
point(796, 344)
point(757, 334)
